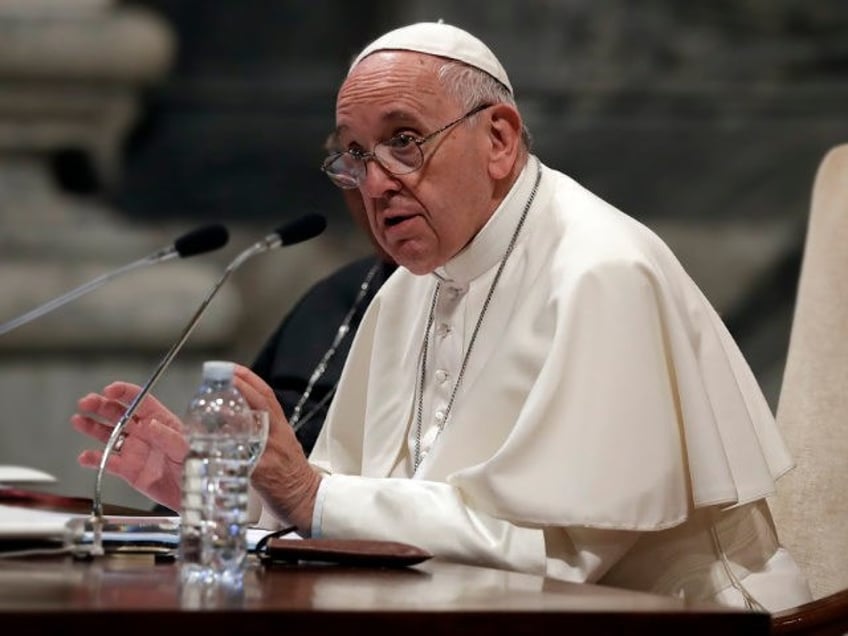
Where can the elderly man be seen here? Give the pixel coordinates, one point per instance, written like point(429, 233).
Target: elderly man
point(540, 387)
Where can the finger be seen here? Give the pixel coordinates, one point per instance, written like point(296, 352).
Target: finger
point(257, 392)
point(99, 424)
point(105, 411)
point(161, 437)
point(96, 403)
point(124, 392)
point(254, 382)
point(254, 398)
point(150, 406)
point(89, 458)
point(276, 417)
point(91, 427)
point(115, 465)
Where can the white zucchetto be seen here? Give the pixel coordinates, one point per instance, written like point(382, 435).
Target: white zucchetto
point(442, 40)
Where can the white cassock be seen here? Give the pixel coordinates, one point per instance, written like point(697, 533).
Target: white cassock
point(606, 429)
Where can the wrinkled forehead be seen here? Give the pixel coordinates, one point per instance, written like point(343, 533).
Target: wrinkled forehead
point(387, 81)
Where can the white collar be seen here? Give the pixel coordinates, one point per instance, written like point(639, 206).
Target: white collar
point(489, 244)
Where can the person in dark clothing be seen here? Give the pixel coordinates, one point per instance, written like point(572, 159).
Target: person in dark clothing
point(303, 359)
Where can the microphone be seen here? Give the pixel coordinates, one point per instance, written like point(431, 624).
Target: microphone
point(297, 231)
point(198, 241)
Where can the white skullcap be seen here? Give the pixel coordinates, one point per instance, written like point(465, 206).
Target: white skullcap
point(443, 40)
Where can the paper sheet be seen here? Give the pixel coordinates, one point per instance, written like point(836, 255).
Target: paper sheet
point(25, 523)
point(17, 522)
point(22, 475)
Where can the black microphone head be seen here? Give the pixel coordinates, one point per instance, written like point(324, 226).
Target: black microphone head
point(201, 240)
point(302, 229)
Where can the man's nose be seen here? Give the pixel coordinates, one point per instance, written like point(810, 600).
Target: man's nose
point(377, 180)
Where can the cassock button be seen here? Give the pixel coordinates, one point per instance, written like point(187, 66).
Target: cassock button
point(441, 376)
point(455, 292)
point(444, 329)
point(439, 415)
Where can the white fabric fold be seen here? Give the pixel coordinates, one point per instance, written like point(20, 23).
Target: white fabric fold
point(606, 391)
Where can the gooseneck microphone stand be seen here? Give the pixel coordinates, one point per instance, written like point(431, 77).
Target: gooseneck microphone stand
point(197, 241)
point(297, 231)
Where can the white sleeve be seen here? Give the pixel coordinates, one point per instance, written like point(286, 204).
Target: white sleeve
point(434, 517)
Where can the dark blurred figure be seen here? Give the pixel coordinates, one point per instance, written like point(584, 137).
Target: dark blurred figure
point(303, 359)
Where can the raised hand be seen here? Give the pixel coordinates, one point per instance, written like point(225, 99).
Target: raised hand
point(152, 454)
point(282, 476)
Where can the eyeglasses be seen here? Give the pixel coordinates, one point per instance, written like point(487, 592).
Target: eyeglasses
point(399, 155)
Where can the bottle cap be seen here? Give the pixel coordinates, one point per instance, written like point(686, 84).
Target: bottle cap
point(218, 370)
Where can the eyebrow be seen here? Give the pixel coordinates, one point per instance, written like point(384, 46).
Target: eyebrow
point(397, 115)
point(390, 116)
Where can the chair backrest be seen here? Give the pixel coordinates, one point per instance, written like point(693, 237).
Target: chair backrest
point(811, 505)
point(826, 616)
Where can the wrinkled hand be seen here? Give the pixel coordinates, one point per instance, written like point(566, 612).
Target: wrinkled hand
point(283, 476)
point(152, 455)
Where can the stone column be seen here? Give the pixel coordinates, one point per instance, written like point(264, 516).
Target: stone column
point(70, 76)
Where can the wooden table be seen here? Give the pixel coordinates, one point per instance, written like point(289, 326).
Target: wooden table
point(133, 595)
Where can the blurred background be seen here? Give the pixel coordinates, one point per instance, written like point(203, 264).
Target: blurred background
point(124, 124)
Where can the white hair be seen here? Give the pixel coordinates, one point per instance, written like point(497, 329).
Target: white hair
point(471, 86)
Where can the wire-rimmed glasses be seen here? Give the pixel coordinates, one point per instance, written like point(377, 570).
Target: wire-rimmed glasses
point(402, 154)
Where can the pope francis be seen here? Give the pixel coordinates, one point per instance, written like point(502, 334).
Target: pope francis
point(540, 387)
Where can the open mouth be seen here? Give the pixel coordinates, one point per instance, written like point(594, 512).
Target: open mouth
point(396, 220)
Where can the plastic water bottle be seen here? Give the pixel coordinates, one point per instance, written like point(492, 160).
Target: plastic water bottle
point(213, 524)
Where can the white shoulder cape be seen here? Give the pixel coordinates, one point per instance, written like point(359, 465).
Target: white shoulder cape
point(604, 390)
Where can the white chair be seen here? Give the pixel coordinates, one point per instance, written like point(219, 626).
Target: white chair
point(811, 505)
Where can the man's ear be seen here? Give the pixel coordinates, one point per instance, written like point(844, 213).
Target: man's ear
point(505, 139)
